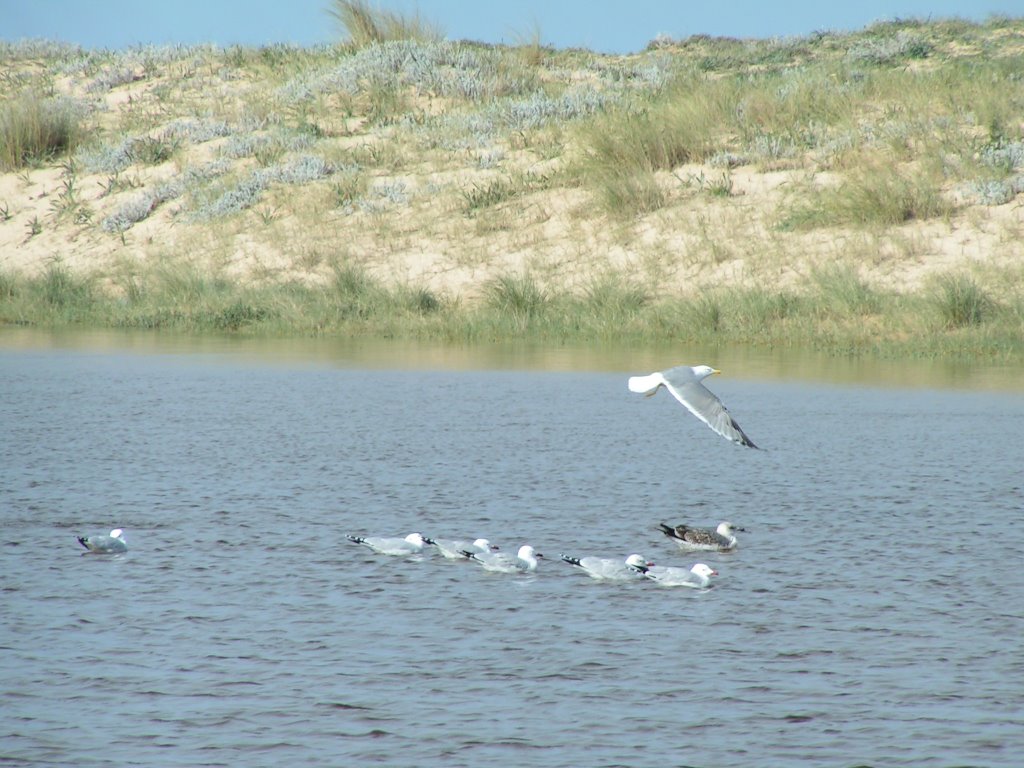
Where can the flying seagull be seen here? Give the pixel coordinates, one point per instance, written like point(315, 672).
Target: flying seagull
point(105, 545)
point(720, 539)
point(684, 382)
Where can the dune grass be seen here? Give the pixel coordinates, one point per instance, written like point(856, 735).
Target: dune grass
point(625, 146)
point(34, 129)
point(364, 24)
point(879, 196)
point(833, 311)
point(961, 302)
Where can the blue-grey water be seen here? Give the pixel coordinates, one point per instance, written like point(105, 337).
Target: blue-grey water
point(872, 614)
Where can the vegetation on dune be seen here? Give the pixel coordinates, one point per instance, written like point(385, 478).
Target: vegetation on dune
point(35, 129)
point(758, 191)
point(833, 311)
point(364, 24)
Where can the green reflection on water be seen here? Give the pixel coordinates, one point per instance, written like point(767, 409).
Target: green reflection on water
point(735, 362)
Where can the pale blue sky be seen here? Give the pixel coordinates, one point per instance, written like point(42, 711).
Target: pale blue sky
point(601, 25)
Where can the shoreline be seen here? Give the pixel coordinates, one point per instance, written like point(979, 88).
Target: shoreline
point(836, 313)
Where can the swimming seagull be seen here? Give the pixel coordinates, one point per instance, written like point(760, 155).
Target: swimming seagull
point(684, 382)
point(611, 569)
point(720, 539)
point(524, 560)
point(453, 549)
point(697, 577)
point(410, 545)
point(105, 545)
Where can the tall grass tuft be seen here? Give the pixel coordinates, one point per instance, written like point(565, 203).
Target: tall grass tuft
point(704, 313)
point(961, 302)
point(365, 25)
point(614, 296)
point(354, 293)
point(628, 192)
point(62, 289)
point(625, 146)
point(753, 312)
point(420, 300)
point(517, 297)
point(608, 305)
point(840, 290)
point(34, 129)
point(872, 197)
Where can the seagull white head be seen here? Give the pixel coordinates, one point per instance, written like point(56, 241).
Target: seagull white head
point(704, 571)
point(527, 553)
point(703, 371)
point(727, 528)
point(117, 533)
point(638, 563)
point(416, 538)
point(485, 546)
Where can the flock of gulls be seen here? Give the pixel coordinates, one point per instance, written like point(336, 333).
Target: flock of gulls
point(634, 568)
point(685, 384)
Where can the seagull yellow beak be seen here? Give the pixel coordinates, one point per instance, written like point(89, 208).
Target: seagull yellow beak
point(714, 371)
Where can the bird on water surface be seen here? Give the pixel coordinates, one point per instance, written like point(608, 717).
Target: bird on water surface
point(105, 545)
point(720, 539)
point(387, 545)
point(697, 577)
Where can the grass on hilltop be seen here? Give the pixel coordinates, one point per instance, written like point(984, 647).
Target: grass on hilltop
point(364, 24)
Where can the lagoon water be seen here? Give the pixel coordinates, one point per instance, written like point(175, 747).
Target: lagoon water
point(872, 615)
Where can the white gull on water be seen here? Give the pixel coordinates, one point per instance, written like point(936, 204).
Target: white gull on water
point(609, 568)
point(105, 545)
point(697, 577)
point(684, 382)
point(720, 539)
point(523, 561)
point(410, 545)
point(453, 549)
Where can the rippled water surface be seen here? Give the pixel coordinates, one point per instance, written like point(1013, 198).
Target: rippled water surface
point(871, 616)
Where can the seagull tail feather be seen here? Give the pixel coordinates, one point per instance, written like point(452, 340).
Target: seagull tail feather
point(645, 385)
point(570, 560)
point(83, 542)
